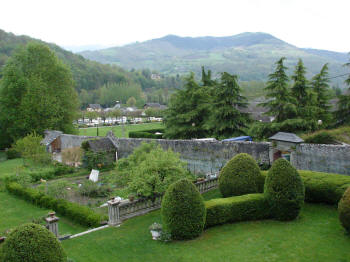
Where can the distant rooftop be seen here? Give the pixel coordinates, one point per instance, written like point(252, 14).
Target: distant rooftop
point(95, 106)
point(287, 137)
point(50, 135)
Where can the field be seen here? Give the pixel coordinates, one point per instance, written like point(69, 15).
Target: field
point(118, 130)
point(315, 236)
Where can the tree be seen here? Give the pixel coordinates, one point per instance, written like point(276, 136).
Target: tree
point(188, 110)
point(226, 118)
point(300, 86)
point(279, 102)
point(131, 101)
point(36, 93)
point(91, 115)
point(343, 111)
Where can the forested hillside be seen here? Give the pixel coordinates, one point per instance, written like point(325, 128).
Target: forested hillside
point(249, 55)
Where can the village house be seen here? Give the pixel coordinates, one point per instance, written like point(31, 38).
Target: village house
point(94, 107)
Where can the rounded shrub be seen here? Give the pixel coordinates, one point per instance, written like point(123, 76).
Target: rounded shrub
point(32, 243)
point(183, 210)
point(344, 210)
point(284, 190)
point(240, 176)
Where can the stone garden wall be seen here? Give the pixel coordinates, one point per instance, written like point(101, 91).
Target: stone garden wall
point(205, 157)
point(322, 158)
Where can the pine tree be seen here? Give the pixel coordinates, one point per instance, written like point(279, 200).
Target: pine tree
point(300, 88)
point(226, 118)
point(342, 114)
point(279, 102)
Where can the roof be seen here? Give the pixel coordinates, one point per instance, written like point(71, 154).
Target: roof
point(95, 106)
point(152, 105)
point(50, 136)
point(287, 137)
point(101, 144)
point(239, 138)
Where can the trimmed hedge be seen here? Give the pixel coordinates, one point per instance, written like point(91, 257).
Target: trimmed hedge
point(147, 133)
point(32, 243)
point(344, 210)
point(321, 138)
point(183, 210)
point(241, 175)
point(80, 214)
point(237, 208)
point(284, 190)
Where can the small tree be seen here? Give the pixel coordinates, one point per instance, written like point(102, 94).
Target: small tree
point(131, 102)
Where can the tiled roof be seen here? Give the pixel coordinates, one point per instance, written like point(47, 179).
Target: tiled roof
point(287, 137)
point(50, 136)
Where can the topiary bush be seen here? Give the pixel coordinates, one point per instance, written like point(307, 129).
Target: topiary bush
point(241, 175)
point(183, 210)
point(284, 190)
point(344, 210)
point(32, 243)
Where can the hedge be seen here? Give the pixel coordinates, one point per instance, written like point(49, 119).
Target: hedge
point(237, 208)
point(344, 210)
point(80, 214)
point(148, 133)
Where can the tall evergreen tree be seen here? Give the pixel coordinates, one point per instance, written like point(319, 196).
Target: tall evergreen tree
point(279, 102)
point(226, 118)
point(188, 110)
point(342, 114)
point(320, 86)
point(206, 78)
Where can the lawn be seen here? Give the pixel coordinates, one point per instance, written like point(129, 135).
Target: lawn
point(117, 130)
point(15, 211)
point(315, 236)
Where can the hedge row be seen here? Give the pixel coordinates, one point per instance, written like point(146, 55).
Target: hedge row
point(147, 133)
point(80, 214)
point(322, 187)
point(237, 208)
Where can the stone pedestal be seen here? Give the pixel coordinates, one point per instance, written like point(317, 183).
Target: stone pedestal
point(113, 212)
point(52, 223)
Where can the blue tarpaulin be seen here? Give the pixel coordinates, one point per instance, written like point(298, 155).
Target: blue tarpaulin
point(239, 138)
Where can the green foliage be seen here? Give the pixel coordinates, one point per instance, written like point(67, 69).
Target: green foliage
point(58, 189)
point(12, 153)
point(150, 170)
point(148, 133)
point(80, 214)
point(342, 114)
point(344, 210)
point(31, 149)
point(241, 175)
point(98, 160)
point(284, 190)
point(236, 209)
point(321, 138)
point(32, 243)
point(36, 94)
point(183, 210)
point(92, 189)
point(300, 89)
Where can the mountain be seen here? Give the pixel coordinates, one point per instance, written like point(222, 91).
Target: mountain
point(250, 55)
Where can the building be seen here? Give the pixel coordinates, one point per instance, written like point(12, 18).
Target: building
point(283, 144)
point(154, 105)
point(94, 107)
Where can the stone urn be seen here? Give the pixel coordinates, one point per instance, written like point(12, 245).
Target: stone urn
point(156, 231)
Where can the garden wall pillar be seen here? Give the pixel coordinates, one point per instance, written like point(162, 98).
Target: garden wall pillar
point(113, 212)
point(52, 223)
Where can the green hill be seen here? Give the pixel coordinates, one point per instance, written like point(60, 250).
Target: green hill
point(250, 55)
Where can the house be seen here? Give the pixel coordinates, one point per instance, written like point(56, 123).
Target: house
point(155, 77)
point(104, 145)
point(283, 144)
point(94, 107)
point(154, 105)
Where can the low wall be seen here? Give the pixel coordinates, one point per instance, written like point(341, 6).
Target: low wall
point(202, 156)
point(322, 158)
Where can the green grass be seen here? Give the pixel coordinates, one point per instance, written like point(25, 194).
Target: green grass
point(15, 211)
point(315, 236)
point(16, 165)
point(117, 130)
point(341, 134)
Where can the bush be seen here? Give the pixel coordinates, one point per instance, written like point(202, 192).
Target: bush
point(80, 214)
point(241, 175)
point(235, 209)
point(12, 153)
point(183, 210)
point(32, 243)
point(284, 190)
point(321, 138)
point(148, 133)
point(92, 189)
point(344, 210)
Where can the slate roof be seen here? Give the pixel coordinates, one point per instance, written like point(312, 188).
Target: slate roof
point(101, 144)
point(287, 137)
point(95, 106)
point(50, 136)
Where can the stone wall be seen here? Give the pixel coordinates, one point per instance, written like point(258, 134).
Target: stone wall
point(69, 141)
point(202, 156)
point(322, 158)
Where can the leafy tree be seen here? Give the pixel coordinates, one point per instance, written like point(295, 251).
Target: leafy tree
point(226, 118)
point(131, 101)
point(91, 115)
point(188, 110)
point(36, 93)
point(279, 102)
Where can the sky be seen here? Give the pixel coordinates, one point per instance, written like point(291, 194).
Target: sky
point(317, 24)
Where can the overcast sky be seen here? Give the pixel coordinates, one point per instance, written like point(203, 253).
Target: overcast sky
point(305, 23)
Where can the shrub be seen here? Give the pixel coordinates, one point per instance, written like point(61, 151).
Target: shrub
point(284, 190)
point(344, 210)
point(92, 189)
point(241, 175)
point(148, 133)
point(12, 153)
point(183, 210)
point(32, 243)
point(321, 138)
point(237, 208)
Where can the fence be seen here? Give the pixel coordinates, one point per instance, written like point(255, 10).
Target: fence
point(121, 210)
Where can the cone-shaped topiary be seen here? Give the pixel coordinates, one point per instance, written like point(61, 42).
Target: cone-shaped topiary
point(284, 190)
point(240, 176)
point(183, 210)
point(344, 210)
point(32, 243)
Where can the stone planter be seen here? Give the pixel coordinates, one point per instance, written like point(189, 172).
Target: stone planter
point(155, 234)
